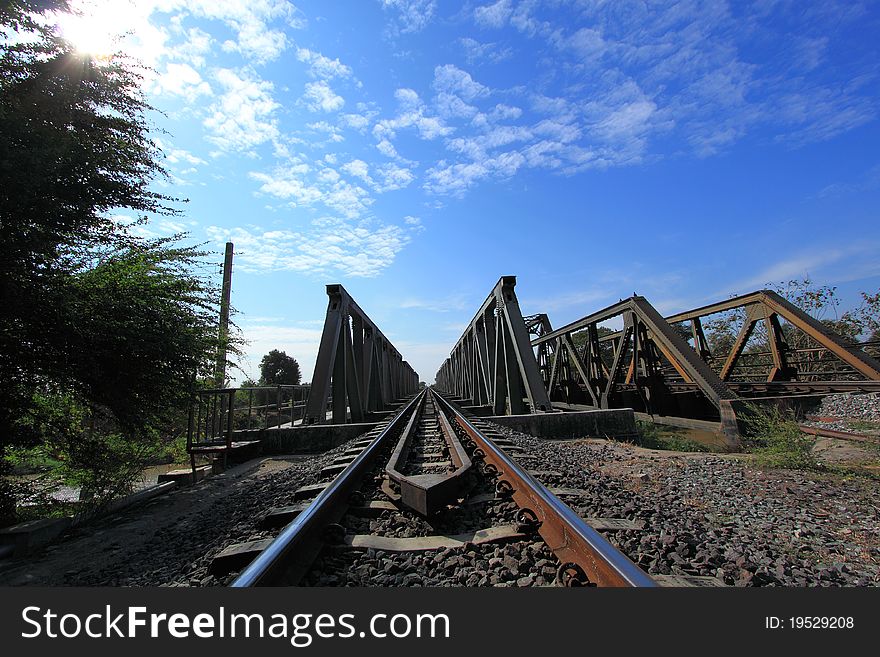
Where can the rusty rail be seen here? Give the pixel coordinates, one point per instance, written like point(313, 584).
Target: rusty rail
point(577, 545)
point(840, 435)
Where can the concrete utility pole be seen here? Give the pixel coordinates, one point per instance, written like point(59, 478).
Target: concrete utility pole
point(220, 368)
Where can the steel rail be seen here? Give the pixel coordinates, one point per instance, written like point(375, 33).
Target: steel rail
point(428, 493)
point(290, 555)
point(841, 435)
point(564, 532)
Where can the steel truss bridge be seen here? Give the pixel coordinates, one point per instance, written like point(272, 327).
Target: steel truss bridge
point(662, 367)
point(624, 356)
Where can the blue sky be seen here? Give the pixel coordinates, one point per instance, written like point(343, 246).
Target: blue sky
point(415, 151)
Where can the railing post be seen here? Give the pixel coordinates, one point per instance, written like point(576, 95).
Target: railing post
point(278, 406)
point(230, 409)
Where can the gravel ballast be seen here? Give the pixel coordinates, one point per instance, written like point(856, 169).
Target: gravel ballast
point(704, 514)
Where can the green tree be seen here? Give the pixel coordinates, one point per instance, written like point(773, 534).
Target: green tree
point(277, 368)
point(101, 333)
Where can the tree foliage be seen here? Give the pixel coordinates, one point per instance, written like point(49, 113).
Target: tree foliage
point(277, 368)
point(96, 325)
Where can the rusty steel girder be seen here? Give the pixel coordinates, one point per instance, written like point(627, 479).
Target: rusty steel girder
point(492, 363)
point(640, 351)
point(769, 308)
point(357, 366)
point(651, 366)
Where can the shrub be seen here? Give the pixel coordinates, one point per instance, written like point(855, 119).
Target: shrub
point(776, 440)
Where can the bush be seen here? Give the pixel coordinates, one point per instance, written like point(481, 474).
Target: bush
point(776, 440)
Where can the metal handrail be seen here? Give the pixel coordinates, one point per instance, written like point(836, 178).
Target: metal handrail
point(214, 411)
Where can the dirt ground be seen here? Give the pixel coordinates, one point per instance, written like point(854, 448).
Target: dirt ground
point(105, 544)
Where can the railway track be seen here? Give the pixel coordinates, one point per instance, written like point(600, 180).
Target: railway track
point(432, 497)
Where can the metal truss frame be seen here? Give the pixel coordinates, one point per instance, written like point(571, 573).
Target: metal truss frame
point(654, 368)
point(493, 363)
point(358, 370)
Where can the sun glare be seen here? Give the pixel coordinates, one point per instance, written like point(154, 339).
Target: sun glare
point(95, 34)
point(102, 28)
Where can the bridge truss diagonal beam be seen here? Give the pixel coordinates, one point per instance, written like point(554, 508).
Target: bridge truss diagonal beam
point(493, 363)
point(646, 335)
point(654, 368)
point(358, 370)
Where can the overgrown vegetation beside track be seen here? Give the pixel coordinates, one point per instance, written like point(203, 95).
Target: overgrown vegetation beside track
point(102, 333)
point(775, 439)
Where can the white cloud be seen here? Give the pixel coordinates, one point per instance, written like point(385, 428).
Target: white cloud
point(394, 177)
point(349, 200)
point(450, 106)
point(293, 183)
point(477, 147)
point(320, 97)
point(452, 80)
point(243, 118)
point(586, 43)
point(194, 49)
point(181, 80)
point(358, 169)
point(503, 112)
point(411, 15)
point(455, 179)
point(321, 66)
point(328, 246)
point(357, 121)
point(386, 148)
point(180, 155)
point(331, 130)
point(408, 99)
point(289, 183)
point(251, 20)
point(413, 114)
point(494, 15)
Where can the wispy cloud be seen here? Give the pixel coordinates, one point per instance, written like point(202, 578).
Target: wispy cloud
point(477, 52)
point(834, 263)
point(327, 246)
point(869, 180)
point(244, 115)
point(409, 15)
point(446, 304)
